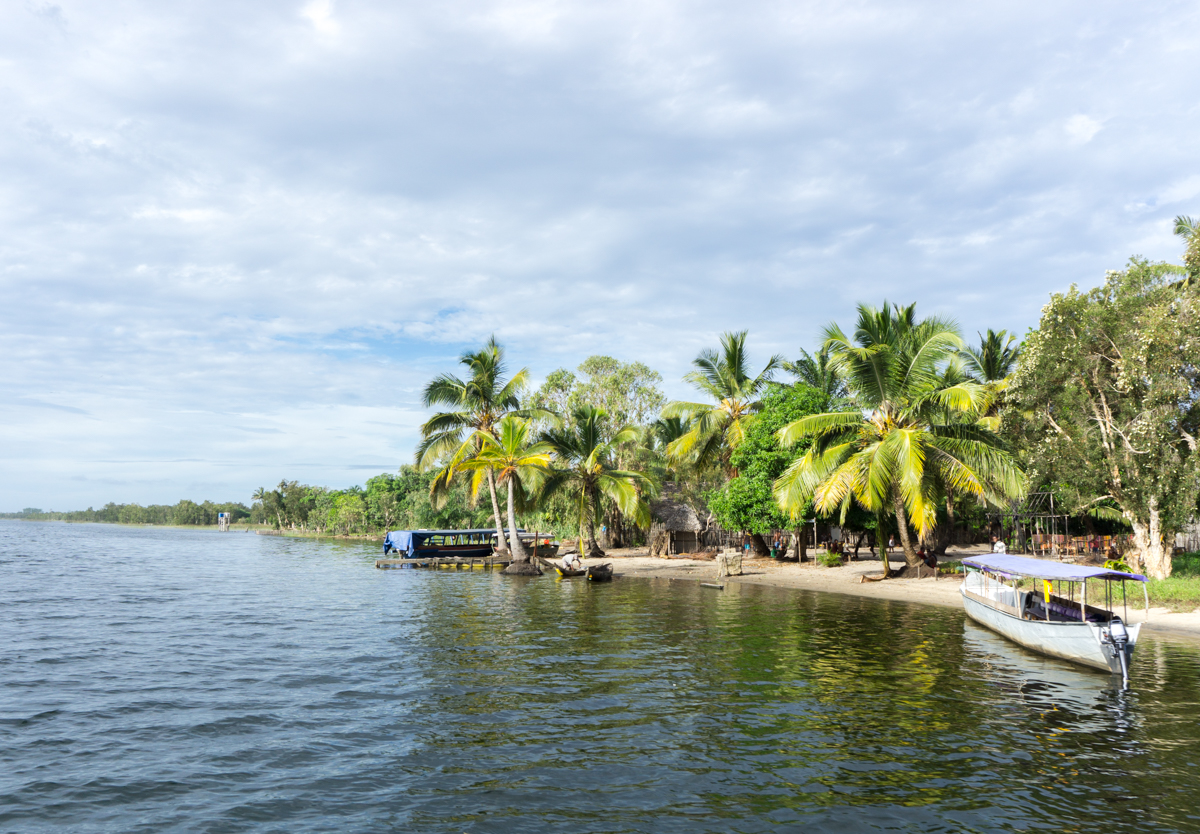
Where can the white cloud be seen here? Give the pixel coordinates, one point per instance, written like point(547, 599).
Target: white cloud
point(320, 14)
point(1082, 129)
point(1185, 189)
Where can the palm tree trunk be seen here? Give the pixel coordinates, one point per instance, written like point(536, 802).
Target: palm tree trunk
point(881, 542)
point(910, 553)
point(501, 545)
point(518, 550)
point(593, 550)
point(945, 535)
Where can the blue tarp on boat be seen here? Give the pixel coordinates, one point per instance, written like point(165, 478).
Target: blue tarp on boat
point(398, 540)
point(1044, 569)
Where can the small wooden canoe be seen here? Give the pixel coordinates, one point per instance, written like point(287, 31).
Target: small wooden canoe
point(600, 573)
point(563, 572)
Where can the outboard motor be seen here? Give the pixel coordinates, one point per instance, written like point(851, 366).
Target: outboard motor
point(1117, 639)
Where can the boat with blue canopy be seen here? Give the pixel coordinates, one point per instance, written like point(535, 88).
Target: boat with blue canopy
point(462, 544)
point(1045, 606)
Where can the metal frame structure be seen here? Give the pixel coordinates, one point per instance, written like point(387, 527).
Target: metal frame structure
point(1037, 515)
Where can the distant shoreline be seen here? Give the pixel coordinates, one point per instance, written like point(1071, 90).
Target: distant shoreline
point(263, 529)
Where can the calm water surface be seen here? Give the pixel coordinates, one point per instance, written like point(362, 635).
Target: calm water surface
point(165, 680)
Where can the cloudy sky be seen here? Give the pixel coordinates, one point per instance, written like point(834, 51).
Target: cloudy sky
point(238, 237)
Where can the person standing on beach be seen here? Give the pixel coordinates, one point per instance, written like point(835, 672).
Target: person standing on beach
point(891, 544)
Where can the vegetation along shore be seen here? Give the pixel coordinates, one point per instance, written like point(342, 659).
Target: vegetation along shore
point(1078, 442)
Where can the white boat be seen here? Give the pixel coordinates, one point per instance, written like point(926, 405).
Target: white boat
point(1054, 613)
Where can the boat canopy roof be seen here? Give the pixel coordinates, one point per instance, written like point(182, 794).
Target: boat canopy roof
point(1045, 569)
point(406, 539)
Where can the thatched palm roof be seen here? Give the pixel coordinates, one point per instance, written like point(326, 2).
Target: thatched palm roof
point(675, 516)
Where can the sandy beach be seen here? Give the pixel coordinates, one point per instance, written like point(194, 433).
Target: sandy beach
point(848, 579)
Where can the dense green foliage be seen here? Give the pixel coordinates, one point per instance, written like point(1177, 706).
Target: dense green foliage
point(747, 501)
point(1104, 402)
point(917, 439)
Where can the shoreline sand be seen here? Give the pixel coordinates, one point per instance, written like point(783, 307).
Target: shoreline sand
point(847, 579)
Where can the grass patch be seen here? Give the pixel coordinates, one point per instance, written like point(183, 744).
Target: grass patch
point(1181, 592)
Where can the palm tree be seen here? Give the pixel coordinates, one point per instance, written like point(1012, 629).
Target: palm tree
point(991, 364)
point(819, 373)
point(1188, 228)
point(509, 457)
point(478, 403)
point(717, 428)
point(994, 359)
point(585, 466)
point(900, 453)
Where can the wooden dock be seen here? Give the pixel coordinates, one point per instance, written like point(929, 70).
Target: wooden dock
point(445, 562)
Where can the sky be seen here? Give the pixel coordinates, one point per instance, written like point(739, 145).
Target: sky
point(238, 238)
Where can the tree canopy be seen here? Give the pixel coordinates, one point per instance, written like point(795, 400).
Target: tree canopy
point(1104, 402)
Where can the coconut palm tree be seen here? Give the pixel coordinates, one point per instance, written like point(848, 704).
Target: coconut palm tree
point(509, 456)
point(584, 460)
point(819, 373)
point(1188, 228)
point(477, 404)
point(716, 428)
point(994, 359)
point(899, 454)
point(991, 364)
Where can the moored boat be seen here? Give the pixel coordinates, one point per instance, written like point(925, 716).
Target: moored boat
point(998, 593)
point(463, 544)
point(600, 573)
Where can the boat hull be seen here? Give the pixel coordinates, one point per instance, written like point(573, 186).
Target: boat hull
point(1075, 642)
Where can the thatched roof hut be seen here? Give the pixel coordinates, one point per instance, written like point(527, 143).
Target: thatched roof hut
point(675, 528)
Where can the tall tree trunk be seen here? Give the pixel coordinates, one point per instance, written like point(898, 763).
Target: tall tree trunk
point(1150, 550)
point(514, 539)
point(801, 544)
point(759, 544)
point(910, 552)
point(593, 550)
point(881, 542)
point(501, 545)
point(944, 536)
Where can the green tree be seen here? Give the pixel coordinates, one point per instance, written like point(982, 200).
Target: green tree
point(349, 513)
point(584, 466)
point(898, 454)
point(477, 404)
point(747, 502)
point(628, 392)
point(1104, 402)
point(516, 461)
point(716, 428)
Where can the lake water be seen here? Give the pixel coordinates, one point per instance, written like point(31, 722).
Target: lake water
point(167, 680)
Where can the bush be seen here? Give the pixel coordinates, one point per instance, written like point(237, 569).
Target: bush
point(829, 560)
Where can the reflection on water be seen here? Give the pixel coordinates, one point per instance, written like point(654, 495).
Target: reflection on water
point(193, 681)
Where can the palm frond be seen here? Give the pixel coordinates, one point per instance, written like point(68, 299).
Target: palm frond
point(817, 424)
